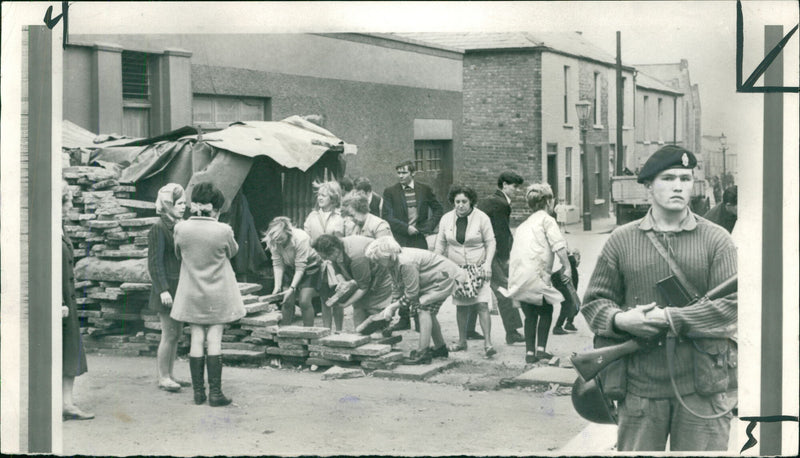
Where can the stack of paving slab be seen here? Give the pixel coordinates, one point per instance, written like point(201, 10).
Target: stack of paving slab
point(316, 346)
point(107, 227)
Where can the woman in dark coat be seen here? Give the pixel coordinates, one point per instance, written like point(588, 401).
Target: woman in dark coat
point(165, 269)
point(73, 356)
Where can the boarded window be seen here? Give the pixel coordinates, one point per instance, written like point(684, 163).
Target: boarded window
point(213, 112)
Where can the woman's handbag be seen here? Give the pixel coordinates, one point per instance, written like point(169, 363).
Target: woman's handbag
point(469, 287)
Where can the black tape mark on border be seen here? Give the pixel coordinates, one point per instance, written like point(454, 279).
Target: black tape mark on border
point(51, 21)
point(752, 441)
point(749, 85)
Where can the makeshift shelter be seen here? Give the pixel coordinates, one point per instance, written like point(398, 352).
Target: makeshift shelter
point(264, 169)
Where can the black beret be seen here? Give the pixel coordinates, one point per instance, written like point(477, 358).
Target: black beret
point(668, 157)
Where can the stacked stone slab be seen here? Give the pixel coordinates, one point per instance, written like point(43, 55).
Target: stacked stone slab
point(356, 349)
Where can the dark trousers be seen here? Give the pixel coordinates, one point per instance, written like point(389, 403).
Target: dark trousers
point(568, 310)
point(412, 241)
point(509, 315)
point(537, 323)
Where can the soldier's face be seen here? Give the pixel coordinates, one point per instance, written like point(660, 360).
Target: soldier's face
point(672, 189)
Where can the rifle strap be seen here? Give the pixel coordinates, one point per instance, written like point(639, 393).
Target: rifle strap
point(673, 266)
point(670, 350)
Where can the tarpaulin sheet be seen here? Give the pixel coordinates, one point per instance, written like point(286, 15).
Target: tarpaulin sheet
point(75, 136)
point(141, 162)
point(292, 142)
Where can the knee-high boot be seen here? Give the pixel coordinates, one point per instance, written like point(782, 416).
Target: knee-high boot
point(215, 396)
point(197, 366)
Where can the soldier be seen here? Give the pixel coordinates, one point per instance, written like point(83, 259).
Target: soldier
point(666, 393)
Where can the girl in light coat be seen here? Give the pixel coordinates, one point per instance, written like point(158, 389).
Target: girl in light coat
point(536, 243)
point(208, 294)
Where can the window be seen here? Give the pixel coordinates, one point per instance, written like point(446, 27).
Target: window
point(419, 158)
point(566, 94)
point(568, 176)
point(434, 159)
point(645, 103)
point(660, 116)
point(598, 159)
point(597, 97)
point(135, 94)
point(214, 112)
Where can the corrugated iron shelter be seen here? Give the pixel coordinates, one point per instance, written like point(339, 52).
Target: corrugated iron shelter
point(272, 162)
point(264, 169)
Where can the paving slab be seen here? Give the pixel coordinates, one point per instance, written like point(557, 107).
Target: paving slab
point(303, 332)
point(545, 375)
point(135, 286)
point(344, 340)
point(337, 373)
point(286, 352)
point(249, 288)
point(262, 319)
point(372, 349)
point(332, 355)
point(415, 372)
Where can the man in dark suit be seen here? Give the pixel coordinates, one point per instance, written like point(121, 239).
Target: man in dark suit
point(411, 208)
point(498, 207)
point(363, 186)
point(412, 211)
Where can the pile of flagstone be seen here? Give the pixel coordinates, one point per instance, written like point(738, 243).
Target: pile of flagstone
point(109, 228)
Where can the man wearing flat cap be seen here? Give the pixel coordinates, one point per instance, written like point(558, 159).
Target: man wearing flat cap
point(685, 397)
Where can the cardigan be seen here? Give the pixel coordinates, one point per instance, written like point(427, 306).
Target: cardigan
point(297, 254)
point(373, 227)
point(368, 275)
point(478, 238)
point(162, 265)
point(315, 225)
point(207, 290)
point(626, 273)
point(423, 276)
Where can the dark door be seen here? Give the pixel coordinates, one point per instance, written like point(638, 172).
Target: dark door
point(552, 174)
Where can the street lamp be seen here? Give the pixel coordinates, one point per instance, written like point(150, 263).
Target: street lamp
point(723, 141)
point(583, 108)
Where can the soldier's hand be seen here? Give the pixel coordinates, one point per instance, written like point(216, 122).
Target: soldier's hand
point(166, 299)
point(635, 321)
point(412, 230)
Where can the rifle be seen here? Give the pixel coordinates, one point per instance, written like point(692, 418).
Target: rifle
point(590, 363)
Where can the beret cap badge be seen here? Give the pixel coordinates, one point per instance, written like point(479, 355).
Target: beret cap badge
point(685, 160)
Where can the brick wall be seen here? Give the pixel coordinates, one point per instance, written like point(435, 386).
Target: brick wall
point(502, 125)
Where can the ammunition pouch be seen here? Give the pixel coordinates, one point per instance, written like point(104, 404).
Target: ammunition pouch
point(715, 365)
point(614, 377)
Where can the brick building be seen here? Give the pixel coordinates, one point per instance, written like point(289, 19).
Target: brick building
point(519, 95)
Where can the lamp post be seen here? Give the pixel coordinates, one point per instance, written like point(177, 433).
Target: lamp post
point(723, 141)
point(583, 108)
